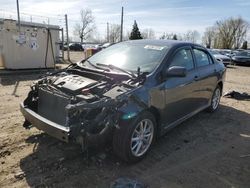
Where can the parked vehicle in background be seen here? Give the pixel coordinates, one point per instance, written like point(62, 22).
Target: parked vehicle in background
point(75, 47)
point(96, 49)
point(105, 45)
point(130, 93)
point(242, 58)
point(229, 53)
point(225, 52)
point(222, 58)
point(63, 46)
point(92, 49)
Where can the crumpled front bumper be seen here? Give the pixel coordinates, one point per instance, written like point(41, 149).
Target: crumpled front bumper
point(51, 128)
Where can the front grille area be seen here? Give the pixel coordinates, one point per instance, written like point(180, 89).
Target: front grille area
point(52, 106)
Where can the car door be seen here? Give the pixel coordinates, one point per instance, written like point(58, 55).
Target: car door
point(181, 92)
point(207, 75)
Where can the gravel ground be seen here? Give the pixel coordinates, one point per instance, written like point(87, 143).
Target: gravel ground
point(208, 150)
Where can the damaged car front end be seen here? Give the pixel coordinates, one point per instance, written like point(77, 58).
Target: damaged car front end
point(73, 107)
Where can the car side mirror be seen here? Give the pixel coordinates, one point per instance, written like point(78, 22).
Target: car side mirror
point(175, 71)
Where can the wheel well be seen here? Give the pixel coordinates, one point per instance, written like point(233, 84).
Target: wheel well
point(220, 84)
point(157, 116)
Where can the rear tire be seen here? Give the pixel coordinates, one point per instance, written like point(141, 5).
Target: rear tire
point(132, 141)
point(215, 100)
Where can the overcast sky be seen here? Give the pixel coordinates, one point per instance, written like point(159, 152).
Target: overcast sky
point(176, 16)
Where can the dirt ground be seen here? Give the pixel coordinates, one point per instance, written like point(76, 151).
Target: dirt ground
point(208, 150)
point(74, 56)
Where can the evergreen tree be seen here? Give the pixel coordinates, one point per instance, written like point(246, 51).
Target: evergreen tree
point(135, 33)
point(175, 37)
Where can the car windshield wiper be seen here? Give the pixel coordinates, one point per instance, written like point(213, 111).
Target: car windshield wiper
point(113, 67)
point(93, 65)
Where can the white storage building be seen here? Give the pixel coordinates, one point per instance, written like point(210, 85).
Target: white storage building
point(35, 46)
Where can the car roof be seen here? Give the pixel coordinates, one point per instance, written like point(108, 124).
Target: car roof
point(161, 42)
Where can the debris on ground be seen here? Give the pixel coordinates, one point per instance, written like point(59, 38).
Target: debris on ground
point(237, 95)
point(127, 183)
point(61, 159)
point(242, 156)
point(19, 175)
point(102, 156)
point(4, 153)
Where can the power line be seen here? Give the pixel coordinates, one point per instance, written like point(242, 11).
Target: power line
point(29, 13)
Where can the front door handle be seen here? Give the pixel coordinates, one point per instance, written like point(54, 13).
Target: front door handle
point(196, 78)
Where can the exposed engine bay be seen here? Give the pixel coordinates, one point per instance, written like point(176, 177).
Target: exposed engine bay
point(86, 101)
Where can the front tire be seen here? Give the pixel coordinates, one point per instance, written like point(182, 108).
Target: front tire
point(215, 100)
point(132, 141)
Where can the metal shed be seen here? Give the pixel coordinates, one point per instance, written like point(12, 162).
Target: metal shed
point(35, 46)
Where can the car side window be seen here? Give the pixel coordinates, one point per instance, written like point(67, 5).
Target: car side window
point(183, 58)
point(202, 58)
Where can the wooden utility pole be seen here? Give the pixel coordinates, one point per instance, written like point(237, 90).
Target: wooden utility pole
point(107, 32)
point(62, 44)
point(121, 26)
point(18, 16)
point(67, 35)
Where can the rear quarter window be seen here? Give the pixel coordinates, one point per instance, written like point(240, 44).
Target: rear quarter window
point(202, 58)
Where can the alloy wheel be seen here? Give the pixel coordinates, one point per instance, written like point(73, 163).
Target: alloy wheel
point(142, 137)
point(216, 98)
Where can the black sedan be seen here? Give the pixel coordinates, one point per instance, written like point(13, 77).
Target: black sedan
point(75, 47)
point(130, 93)
point(242, 58)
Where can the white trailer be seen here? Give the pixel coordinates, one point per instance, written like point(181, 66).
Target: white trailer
point(35, 46)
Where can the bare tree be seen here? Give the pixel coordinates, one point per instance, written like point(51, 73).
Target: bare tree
point(114, 33)
point(172, 36)
point(191, 36)
point(241, 32)
point(209, 36)
point(244, 45)
point(96, 37)
point(163, 36)
point(231, 32)
point(148, 34)
point(167, 36)
point(126, 35)
point(86, 25)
